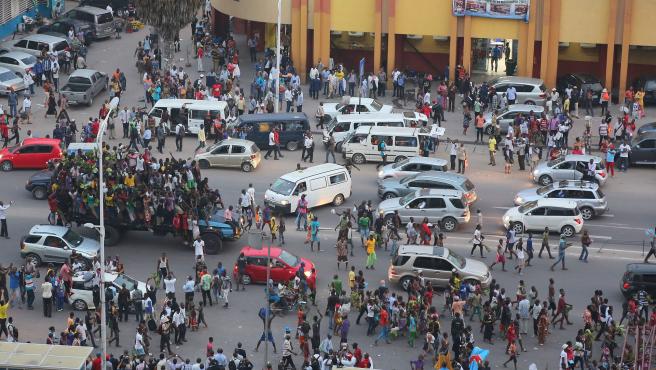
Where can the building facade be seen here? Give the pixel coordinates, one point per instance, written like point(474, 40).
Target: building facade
point(605, 38)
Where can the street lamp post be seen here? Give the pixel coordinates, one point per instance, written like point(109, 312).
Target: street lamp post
point(101, 230)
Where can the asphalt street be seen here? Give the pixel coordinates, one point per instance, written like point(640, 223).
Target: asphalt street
point(617, 236)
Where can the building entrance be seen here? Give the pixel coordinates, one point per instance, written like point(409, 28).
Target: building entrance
point(494, 56)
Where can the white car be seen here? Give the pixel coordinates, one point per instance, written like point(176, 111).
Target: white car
point(82, 289)
point(412, 166)
point(354, 104)
point(559, 215)
point(10, 80)
point(17, 61)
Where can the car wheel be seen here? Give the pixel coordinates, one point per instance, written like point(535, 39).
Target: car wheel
point(518, 227)
point(399, 158)
point(80, 305)
point(338, 147)
point(7, 166)
point(389, 195)
point(39, 193)
point(545, 180)
point(389, 221)
point(568, 231)
point(488, 130)
point(449, 224)
point(112, 236)
point(35, 258)
point(213, 243)
point(246, 279)
point(529, 102)
point(246, 167)
point(292, 145)
point(359, 158)
point(338, 200)
point(406, 282)
point(204, 163)
point(587, 213)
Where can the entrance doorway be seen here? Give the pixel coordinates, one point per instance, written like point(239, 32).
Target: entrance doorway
point(494, 56)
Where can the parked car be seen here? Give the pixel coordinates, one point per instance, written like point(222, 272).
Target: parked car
point(638, 276)
point(120, 7)
point(61, 26)
point(643, 148)
point(238, 153)
point(559, 215)
point(83, 85)
point(436, 265)
point(56, 244)
point(506, 117)
point(33, 44)
point(588, 196)
point(646, 127)
point(81, 297)
point(18, 62)
point(393, 188)
point(648, 84)
point(568, 167)
point(10, 80)
point(583, 81)
point(448, 208)
point(531, 91)
point(32, 153)
point(39, 183)
point(412, 166)
point(354, 104)
point(284, 266)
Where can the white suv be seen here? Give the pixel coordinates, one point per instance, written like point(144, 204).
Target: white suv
point(559, 215)
point(82, 289)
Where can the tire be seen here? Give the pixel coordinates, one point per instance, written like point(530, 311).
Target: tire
point(338, 147)
point(568, 231)
point(246, 279)
point(79, 305)
point(246, 167)
point(112, 236)
point(204, 164)
point(40, 193)
point(213, 242)
point(587, 213)
point(545, 180)
point(518, 227)
point(399, 158)
point(292, 145)
point(6, 166)
point(488, 130)
point(338, 200)
point(389, 221)
point(358, 158)
point(90, 103)
point(389, 195)
point(34, 257)
point(449, 224)
point(529, 102)
point(405, 283)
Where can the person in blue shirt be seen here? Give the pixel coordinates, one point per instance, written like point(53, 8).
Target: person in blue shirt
point(314, 234)
point(529, 249)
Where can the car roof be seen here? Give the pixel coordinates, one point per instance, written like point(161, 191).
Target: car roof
point(447, 193)
point(586, 77)
point(46, 229)
point(16, 54)
point(554, 202)
point(442, 176)
point(517, 79)
point(644, 135)
point(525, 108)
point(249, 251)
point(272, 117)
point(92, 9)
point(319, 169)
point(417, 249)
point(3, 69)
point(231, 141)
point(43, 38)
point(357, 100)
point(641, 268)
point(386, 130)
point(582, 157)
point(427, 160)
point(576, 184)
point(84, 72)
point(40, 140)
point(372, 116)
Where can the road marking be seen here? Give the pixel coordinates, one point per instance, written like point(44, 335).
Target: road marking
point(601, 237)
point(616, 227)
point(607, 215)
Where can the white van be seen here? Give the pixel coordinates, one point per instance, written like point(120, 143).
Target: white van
point(400, 143)
point(321, 184)
point(342, 125)
point(190, 112)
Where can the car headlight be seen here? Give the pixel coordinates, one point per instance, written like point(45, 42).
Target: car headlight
point(506, 219)
point(380, 173)
point(535, 172)
point(284, 202)
point(0, 156)
point(308, 273)
point(519, 200)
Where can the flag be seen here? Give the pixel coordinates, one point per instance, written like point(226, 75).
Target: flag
point(478, 355)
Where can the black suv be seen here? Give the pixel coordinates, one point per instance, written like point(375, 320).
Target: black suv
point(639, 276)
point(39, 183)
point(583, 81)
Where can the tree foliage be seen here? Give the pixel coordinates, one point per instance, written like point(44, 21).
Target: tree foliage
point(167, 16)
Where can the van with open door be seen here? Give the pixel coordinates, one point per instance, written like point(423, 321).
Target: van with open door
point(364, 144)
point(191, 113)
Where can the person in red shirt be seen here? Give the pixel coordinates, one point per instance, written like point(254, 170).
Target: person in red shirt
point(426, 109)
point(383, 322)
point(95, 127)
point(4, 131)
point(426, 232)
point(97, 362)
point(357, 353)
point(364, 363)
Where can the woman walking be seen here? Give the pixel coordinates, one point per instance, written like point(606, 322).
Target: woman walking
point(371, 252)
point(543, 326)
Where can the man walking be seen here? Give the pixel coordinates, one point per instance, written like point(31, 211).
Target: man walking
point(179, 134)
point(562, 245)
point(652, 250)
point(3, 219)
point(492, 147)
point(545, 243)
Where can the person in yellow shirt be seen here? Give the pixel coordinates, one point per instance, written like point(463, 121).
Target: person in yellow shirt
point(351, 278)
point(492, 147)
point(4, 307)
point(371, 252)
point(129, 181)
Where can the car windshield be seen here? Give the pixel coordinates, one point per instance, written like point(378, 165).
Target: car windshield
point(456, 259)
point(332, 124)
point(339, 107)
point(29, 60)
point(527, 206)
point(129, 282)
point(7, 76)
point(407, 198)
point(594, 86)
point(73, 238)
point(375, 105)
point(407, 179)
point(554, 162)
point(399, 164)
point(282, 186)
point(288, 258)
point(545, 189)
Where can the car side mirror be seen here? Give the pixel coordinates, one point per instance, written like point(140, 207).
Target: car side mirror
point(637, 146)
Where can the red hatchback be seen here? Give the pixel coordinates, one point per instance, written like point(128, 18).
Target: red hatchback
point(283, 266)
point(32, 153)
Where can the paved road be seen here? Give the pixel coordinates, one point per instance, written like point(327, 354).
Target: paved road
point(619, 234)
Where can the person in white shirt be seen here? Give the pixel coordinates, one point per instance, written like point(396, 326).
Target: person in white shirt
point(27, 107)
point(272, 145)
point(453, 153)
point(477, 241)
point(199, 247)
point(624, 149)
point(3, 219)
point(308, 148)
point(169, 285)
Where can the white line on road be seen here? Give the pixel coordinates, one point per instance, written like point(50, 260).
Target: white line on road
point(607, 215)
point(501, 207)
point(614, 226)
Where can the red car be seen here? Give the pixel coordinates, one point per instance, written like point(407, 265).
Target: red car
point(32, 153)
point(283, 266)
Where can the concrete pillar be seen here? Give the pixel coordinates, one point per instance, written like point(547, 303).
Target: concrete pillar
point(466, 45)
point(325, 31)
point(302, 63)
point(610, 45)
point(530, 40)
point(626, 41)
point(316, 35)
point(391, 38)
point(554, 37)
point(378, 33)
point(453, 47)
point(296, 32)
point(546, 26)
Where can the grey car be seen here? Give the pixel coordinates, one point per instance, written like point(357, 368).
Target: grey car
point(568, 167)
point(589, 198)
point(506, 117)
point(447, 208)
point(238, 153)
point(393, 188)
point(529, 90)
point(10, 80)
point(643, 148)
point(56, 244)
point(83, 85)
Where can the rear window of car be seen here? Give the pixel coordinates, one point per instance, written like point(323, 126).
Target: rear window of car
point(468, 185)
point(458, 203)
point(7, 76)
point(29, 60)
point(79, 80)
point(105, 18)
point(400, 260)
point(32, 238)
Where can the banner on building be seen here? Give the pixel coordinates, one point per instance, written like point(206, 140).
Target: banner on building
point(506, 9)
